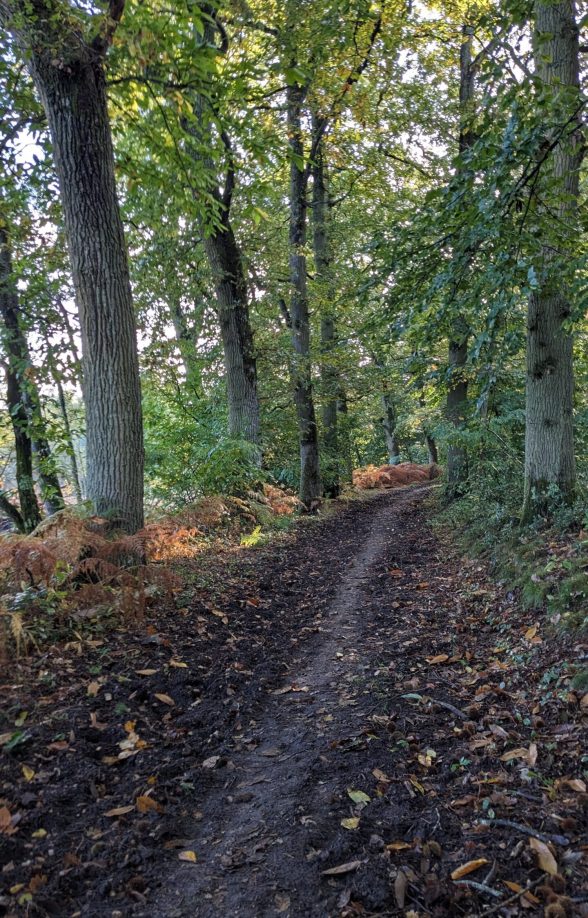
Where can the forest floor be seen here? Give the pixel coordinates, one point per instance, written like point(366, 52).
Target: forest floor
point(351, 720)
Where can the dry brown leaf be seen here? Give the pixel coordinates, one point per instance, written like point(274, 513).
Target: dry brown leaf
point(93, 689)
point(576, 784)
point(440, 658)
point(165, 699)
point(398, 846)
point(545, 858)
point(463, 871)
point(5, 818)
point(145, 672)
point(178, 664)
point(380, 775)
point(342, 868)
point(518, 753)
point(400, 887)
point(147, 804)
point(120, 811)
point(530, 633)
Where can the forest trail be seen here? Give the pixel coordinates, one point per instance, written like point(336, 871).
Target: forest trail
point(351, 720)
point(258, 822)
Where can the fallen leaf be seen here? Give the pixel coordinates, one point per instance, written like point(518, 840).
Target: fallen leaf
point(93, 689)
point(398, 846)
point(178, 664)
point(146, 804)
point(440, 658)
point(525, 893)
point(518, 753)
point(145, 672)
point(576, 784)
point(342, 868)
point(282, 903)
point(211, 762)
point(530, 633)
point(5, 818)
point(400, 887)
point(381, 776)
point(165, 699)
point(40, 833)
point(358, 796)
point(120, 811)
point(28, 773)
point(351, 823)
point(189, 856)
point(545, 858)
point(463, 871)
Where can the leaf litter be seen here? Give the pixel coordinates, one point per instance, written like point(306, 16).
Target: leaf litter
point(440, 772)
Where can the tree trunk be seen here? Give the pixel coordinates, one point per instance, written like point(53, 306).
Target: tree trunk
point(331, 383)
point(549, 437)
point(75, 474)
point(228, 274)
point(17, 364)
point(457, 395)
point(389, 422)
point(186, 337)
point(69, 75)
point(237, 337)
point(457, 392)
point(310, 479)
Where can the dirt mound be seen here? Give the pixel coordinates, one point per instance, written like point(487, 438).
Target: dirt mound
point(393, 476)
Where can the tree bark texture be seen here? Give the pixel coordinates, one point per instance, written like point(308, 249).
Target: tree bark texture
point(549, 437)
point(68, 73)
point(228, 275)
point(389, 421)
point(17, 364)
point(330, 378)
point(310, 478)
point(457, 393)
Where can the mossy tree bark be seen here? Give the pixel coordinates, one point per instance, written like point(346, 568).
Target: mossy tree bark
point(299, 315)
point(549, 438)
point(68, 71)
point(457, 392)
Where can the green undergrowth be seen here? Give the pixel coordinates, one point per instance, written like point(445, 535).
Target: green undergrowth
point(545, 564)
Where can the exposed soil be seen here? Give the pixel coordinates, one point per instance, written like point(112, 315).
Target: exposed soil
point(328, 726)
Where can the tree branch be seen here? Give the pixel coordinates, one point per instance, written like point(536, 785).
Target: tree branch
point(103, 40)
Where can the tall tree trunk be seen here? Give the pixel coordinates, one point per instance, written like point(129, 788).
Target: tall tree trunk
point(310, 478)
point(457, 393)
point(75, 474)
point(330, 378)
point(230, 284)
point(17, 364)
point(389, 422)
point(69, 75)
point(186, 337)
point(51, 492)
point(226, 265)
point(549, 438)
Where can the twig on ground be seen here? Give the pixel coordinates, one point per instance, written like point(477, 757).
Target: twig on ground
point(534, 833)
point(496, 908)
point(481, 887)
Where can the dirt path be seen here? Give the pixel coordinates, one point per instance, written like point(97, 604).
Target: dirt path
point(333, 725)
point(258, 819)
